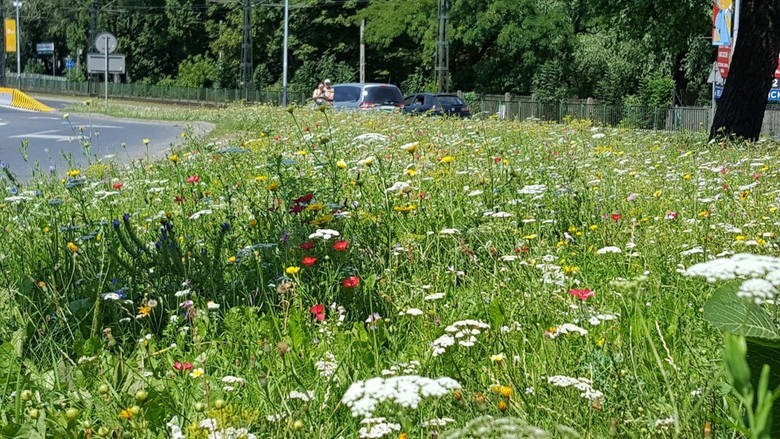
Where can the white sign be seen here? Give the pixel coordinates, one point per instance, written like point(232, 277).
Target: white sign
point(96, 63)
point(105, 42)
point(44, 48)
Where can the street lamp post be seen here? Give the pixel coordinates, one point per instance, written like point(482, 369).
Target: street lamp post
point(17, 5)
point(284, 52)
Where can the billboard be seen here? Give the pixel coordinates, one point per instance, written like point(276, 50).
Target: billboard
point(10, 35)
point(723, 12)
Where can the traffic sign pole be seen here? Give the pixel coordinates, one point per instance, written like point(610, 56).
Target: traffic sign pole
point(106, 36)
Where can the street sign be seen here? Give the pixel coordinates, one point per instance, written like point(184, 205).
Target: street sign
point(96, 63)
point(70, 63)
point(44, 48)
point(724, 56)
point(105, 43)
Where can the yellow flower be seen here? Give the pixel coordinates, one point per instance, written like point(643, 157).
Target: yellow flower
point(74, 172)
point(126, 414)
point(232, 259)
point(41, 284)
point(341, 164)
point(447, 159)
point(506, 391)
point(704, 213)
point(497, 358)
point(530, 237)
point(686, 176)
point(657, 193)
point(272, 186)
point(744, 195)
point(321, 220)
point(405, 209)
point(411, 147)
point(593, 227)
point(144, 310)
point(410, 172)
point(314, 207)
point(146, 141)
point(495, 388)
point(292, 270)
point(739, 238)
point(761, 241)
point(174, 158)
point(303, 153)
point(252, 222)
point(197, 372)
point(72, 247)
point(569, 269)
point(46, 229)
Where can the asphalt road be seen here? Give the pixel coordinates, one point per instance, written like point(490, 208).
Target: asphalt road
point(53, 140)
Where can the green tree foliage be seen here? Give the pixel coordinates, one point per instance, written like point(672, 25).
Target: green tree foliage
point(552, 49)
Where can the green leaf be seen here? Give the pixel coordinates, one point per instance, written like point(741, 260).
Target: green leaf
point(295, 330)
point(496, 314)
point(730, 313)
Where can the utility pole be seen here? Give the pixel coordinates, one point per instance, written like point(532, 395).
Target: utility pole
point(442, 48)
point(2, 45)
point(284, 52)
point(246, 54)
point(91, 41)
point(362, 52)
point(17, 5)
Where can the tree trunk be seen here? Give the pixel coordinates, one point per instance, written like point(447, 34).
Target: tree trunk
point(741, 108)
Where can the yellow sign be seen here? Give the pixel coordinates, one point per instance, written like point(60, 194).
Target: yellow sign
point(10, 35)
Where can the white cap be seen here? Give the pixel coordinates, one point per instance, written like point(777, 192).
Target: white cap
point(327, 81)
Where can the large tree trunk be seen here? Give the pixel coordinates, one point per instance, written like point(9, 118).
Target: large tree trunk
point(741, 108)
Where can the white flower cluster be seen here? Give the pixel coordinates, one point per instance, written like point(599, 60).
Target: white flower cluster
point(462, 332)
point(584, 385)
point(232, 433)
point(327, 365)
point(411, 312)
point(437, 422)
point(762, 274)
point(532, 189)
point(664, 424)
point(409, 368)
point(363, 397)
point(552, 274)
point(566, 328)
point(306, 397)
point(374, 428)
point(231, 382)
point(324, 234)
point(399, 188)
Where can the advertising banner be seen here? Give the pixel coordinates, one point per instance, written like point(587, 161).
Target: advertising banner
point(10, 35)
point(723, 11)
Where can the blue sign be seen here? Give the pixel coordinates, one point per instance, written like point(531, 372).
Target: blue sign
point(774, 93)
point(69, 63)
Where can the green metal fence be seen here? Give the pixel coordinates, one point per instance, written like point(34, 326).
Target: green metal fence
point(504, 106)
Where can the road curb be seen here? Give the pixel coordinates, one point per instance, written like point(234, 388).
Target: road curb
point(12, 97)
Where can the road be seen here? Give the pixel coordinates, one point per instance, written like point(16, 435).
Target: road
point(50, 139)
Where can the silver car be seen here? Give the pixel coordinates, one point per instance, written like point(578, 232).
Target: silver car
point(368, 96)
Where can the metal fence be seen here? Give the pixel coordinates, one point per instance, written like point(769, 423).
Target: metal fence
point(504, 106)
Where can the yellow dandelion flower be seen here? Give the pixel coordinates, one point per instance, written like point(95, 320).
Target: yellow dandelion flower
point(593, 227)
point(447, 159)
point(410, 172)
point(72, 247)
point(173, 158)
point(126, 414)
point(197, 372)
point(261, 178)
point(495, 388)
point(704, 213)
point(272, 186)
point(41, 284)
point(341, 164)
point(739, 238)
point(743, 195)
point(761, 242)
point(497, 358)
point(232, 259)
point(657, 193)
point(530, 237)
point(74, 172)
point(303, 153)
point(506, 391)
point(405, 209)
point(144, 310)
point(292, 270)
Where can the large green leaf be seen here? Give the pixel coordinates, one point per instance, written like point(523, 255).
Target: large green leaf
point(732, 314)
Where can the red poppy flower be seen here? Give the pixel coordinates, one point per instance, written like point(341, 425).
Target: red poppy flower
point(192, 179)
point(350, 282)
point(340, 245)
point(182, 367)
point(304, 199)
point(616, 217)
point(318, 311)
point(118, 185)
point(581, 293)
point(308, 261)
point(308, 245)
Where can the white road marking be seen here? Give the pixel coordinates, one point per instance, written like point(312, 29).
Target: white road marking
point(45, 135)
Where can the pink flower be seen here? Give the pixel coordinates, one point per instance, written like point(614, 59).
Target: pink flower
point(182, 367)
point(192, 179)
point(581, 293)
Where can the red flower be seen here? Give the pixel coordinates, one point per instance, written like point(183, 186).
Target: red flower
point(616, 217)
point(350, 282)
point(318, 311)
point(581, 293)
point(308, 261)
point(296, 208)
point(192, 179)
point(182, 367)
point(340, 245)
point(308, 245)
point(304, 199)
point(118, 185)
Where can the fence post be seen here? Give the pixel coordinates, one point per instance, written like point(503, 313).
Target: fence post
point(508, 105)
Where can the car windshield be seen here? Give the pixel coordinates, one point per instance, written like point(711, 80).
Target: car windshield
point(346, 93)
point(450, 101)
point(383, 94)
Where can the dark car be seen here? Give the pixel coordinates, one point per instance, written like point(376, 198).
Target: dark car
point(437, 104)
point(368, 96)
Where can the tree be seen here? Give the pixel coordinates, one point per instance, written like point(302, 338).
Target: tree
point(741, 108)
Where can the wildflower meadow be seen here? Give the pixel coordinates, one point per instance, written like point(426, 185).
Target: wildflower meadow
point(310, 273)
